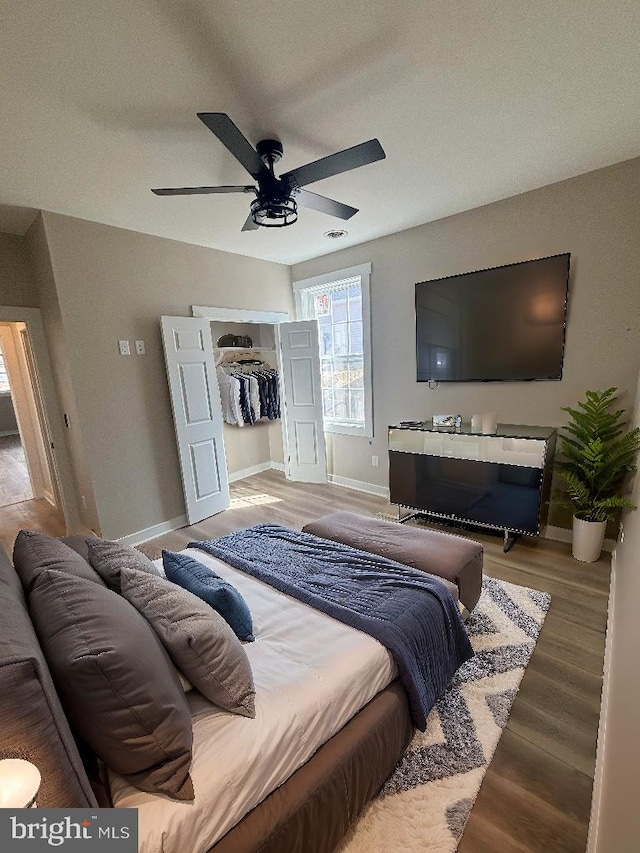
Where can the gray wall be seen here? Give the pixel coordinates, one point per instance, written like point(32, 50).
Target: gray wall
point(115, 284)
point(596, 217)
point(17, 285)
point(76, 474)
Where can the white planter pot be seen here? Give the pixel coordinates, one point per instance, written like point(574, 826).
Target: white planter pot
point(588, 537)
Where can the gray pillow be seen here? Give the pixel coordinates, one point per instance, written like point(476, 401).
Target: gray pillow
point(116, 682)
point(34, 551)
point(80, 544)
point(199, 641)
point(109, 558)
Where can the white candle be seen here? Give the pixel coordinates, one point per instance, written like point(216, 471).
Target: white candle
point(489, 423)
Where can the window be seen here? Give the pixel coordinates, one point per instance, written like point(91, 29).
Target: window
point(4, 379)
point(339, 301)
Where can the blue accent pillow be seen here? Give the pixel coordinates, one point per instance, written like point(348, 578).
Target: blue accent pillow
point(210, 587)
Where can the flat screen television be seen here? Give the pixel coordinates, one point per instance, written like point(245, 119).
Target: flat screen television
point(501, 324)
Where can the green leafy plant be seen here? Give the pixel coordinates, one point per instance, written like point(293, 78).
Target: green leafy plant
point(597, 453)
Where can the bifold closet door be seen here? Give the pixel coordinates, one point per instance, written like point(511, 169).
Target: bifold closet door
point(302, 422)
point(197, 415)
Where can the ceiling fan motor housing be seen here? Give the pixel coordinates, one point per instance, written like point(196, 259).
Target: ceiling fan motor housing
point(274, 206)
point(270, 151)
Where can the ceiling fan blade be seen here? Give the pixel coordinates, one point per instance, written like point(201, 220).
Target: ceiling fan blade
point(334, 164)
point(249, 225)
point(202, 190)
point(324, 204)
point(221, 126)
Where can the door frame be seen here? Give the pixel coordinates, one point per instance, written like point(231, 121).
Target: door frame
point(246, 315)
point(61, 472)
point(239, 315)
point(23, 399)
point(53, 493)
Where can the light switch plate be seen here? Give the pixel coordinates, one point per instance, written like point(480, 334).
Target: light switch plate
point(140, 348)
point(124, 348)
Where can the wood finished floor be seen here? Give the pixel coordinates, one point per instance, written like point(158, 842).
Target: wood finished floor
point(18, 509)
point(15, 484)
point(29, 515)
point(536, 794)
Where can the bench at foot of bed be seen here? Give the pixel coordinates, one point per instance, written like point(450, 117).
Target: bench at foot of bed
point(454, 559)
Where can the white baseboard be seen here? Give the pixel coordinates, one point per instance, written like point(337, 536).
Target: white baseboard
point(345, 482)
point(152, 532)
point(255, 469)
point(249, 472)
point(564, 534)
point(8, 432)
point(596, 798)
point(181, 520)
point(359, 486)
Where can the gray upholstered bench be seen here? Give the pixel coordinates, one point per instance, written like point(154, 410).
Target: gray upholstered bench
point(454, 559)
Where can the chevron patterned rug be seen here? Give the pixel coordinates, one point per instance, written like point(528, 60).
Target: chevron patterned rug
point(424, 806)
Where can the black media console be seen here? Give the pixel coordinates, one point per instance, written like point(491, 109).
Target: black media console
point(501, 481)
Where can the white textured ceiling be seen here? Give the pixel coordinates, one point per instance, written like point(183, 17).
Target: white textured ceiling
point(473, 101)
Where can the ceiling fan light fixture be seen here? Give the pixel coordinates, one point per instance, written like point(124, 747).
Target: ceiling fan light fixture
point(274, 212)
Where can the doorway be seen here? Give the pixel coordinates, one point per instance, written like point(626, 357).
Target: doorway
point(197, 410)
point(28, 492)
point(15, 479)
point(60, 515)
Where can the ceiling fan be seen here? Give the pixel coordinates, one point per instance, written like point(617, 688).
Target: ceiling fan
point(277, 199)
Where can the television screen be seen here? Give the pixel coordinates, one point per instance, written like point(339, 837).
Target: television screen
point(505, 323)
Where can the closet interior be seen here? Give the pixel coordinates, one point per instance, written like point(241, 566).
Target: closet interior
point(250, 442)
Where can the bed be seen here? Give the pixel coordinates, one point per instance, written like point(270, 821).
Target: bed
point(330, 727)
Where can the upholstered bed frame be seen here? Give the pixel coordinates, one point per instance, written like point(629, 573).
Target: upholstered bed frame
point(310, 812)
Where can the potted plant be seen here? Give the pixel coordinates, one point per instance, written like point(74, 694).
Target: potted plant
point(596, 454)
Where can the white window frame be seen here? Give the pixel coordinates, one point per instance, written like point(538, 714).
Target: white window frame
point(363, 271)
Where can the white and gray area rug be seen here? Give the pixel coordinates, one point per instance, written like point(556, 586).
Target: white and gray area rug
point(424, 806)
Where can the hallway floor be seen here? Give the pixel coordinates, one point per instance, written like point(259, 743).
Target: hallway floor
point(29, 515)
point(15, 484)
point(18, 509)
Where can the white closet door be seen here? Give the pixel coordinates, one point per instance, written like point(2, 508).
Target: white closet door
point(197, 415)
point(302, 424)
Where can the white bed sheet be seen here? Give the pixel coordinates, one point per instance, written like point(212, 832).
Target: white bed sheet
point(311, 673)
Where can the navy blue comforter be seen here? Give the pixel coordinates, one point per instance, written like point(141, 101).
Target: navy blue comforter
point(411, 614)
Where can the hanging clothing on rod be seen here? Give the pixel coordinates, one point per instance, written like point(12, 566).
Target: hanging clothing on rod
point(249, 390)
